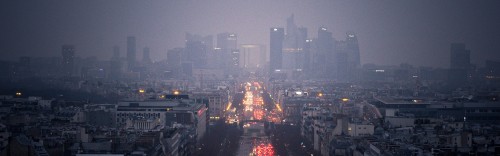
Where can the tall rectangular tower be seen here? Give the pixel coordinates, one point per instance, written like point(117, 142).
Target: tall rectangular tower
point(459, 56)
point(277, 36)
point(68, 59)
point(226, 44)
point(227, 41)
point(459, 64)
point(197, 49)
point(325, 61)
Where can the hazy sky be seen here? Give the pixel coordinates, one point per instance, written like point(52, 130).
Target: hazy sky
point(389, 32)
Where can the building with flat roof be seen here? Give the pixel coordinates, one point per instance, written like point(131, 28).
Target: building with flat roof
point(152, 115)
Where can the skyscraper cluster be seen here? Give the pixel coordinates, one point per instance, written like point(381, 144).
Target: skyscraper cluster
point(323, 57)
point(201, 59)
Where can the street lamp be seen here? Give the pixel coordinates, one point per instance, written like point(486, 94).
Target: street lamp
point(176, 92)
point(320, 94)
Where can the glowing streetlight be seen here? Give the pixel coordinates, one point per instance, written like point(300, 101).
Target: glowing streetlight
point(176, 92)
point(320, 94)
point(141, 91)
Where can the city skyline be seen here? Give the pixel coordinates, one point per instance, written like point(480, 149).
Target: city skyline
point(389, 33)
point(258, 78)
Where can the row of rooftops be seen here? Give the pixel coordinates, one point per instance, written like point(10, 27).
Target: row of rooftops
point(176, 104)
point(423, 101)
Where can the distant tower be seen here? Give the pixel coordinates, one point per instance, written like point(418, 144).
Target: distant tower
point(226, 44)
point(131, 52)
point(145, 56)
point(68, 60)
point(235, 59)
point(347, 58)
point(276, 49)
point(197, 49)
point(459, 56)
point(353, 47)
point(250, 56)
point(459, 64)
point(295, 37)
point(227, 41)
point(293, 45)
point(292, 33)
point(302, 37)
point(324, 61)
point(307, 56)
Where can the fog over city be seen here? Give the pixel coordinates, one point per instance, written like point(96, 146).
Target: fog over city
point(391, 32)
point(249, 78)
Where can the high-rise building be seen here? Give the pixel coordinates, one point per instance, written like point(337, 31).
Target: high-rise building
point(205, 40)
point(492, 71)
point(145, 56)
point(324, 60)
point(308, 55)
point(353, 47)
point(347, 59)
point(292, 35)
point(295, 37)
point(302, 37)
point(197, 48)
point(459, 64)
point(250, 57)
point(235, 59)
point(342, 69)
point(196, 53)
point(324, 35)
point(68, 59)
point(131, 52)
point(459, 56)
point(227, 41)
point(276, 49)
